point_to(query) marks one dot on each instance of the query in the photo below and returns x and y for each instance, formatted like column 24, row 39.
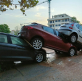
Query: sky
column 15, row 18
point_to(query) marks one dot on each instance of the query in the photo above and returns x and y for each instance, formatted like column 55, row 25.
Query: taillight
column 71, row 26
column 28, row 27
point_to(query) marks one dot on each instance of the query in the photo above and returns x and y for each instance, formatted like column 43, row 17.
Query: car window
column 67, row 24
column 80, row 28
column 3, row 39
column 55, row 32
column 60, row 35
column 50, row 30
column 18, row 41
column 77, row 26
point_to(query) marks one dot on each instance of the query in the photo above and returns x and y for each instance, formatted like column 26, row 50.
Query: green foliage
column 4, row 28
column 75, row 20
column 24, row 4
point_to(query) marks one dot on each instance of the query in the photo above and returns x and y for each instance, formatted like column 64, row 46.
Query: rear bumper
column 65, row 31
column 22, row 34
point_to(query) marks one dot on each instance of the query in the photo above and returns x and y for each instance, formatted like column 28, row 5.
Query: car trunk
column 23, row 32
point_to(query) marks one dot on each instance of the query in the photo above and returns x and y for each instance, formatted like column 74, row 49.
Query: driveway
column 56, row 68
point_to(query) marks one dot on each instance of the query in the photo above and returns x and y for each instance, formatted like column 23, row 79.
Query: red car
column 42, row 36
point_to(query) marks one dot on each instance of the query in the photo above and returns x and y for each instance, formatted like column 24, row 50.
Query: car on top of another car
column 42, row 36
column 73, row 31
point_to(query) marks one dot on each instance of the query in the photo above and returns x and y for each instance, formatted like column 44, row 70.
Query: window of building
column 50, row 21
column 58, row 20
column 50, row 25
column 62, row 15
column 68, row 19
column 3, row 39
column 56, row 25
column 59, row 25
column 55, row 20
column 65, row 20
column 53, row 25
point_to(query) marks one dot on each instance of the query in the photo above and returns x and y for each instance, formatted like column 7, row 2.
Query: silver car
column 73, row 31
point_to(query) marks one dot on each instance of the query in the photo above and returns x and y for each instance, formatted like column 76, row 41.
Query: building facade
column 57, row 20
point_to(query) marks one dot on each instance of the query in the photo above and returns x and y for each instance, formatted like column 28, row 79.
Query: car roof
column 8, row 34
column 38, row 24
column 34, row 23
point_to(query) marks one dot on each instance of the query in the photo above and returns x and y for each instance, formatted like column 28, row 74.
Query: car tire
column 72, row 52
column 73, row 38
column 40, row 56
column 37, row 43
column 57, row 52
column 78, row 49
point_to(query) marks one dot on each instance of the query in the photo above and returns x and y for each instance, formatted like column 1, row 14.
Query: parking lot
column 56, row 68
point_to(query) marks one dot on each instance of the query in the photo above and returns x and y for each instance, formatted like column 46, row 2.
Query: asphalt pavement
column 55, row 68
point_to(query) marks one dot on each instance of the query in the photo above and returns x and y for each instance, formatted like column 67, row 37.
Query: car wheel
column 57, row 52
column 72, row 52
column 37, row 43
column 73, row 38
column 39, row 57
column 78, row 49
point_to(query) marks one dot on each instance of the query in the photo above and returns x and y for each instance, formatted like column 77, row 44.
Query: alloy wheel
column 72, row 52
column 73, row 38
column 39, row 57
column 37, row 44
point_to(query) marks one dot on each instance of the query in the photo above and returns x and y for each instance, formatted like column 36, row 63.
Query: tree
column 4, row 28
column 73, row 19
column 24, row 4
column 16, row 30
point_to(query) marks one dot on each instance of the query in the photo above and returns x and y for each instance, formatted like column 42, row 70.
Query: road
column 56, row 68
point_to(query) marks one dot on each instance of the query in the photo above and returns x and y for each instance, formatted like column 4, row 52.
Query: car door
column 61, row 42
column 20, row 49
column 80, row 33
column 5, row 48
column 50, row 38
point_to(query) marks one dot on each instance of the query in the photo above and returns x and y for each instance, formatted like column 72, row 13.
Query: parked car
column 42, row 36
column 13, row 48
column 73, row 31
